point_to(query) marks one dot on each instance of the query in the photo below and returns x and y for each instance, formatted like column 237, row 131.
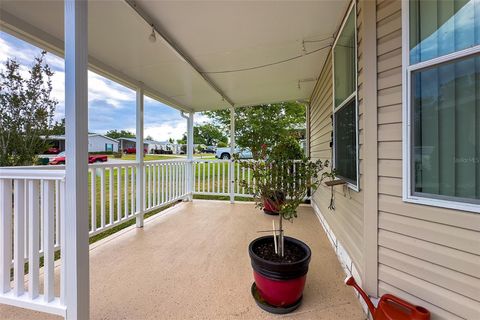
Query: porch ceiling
column 212, row 35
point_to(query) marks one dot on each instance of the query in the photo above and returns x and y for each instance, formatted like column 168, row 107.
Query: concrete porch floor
column 191, row 262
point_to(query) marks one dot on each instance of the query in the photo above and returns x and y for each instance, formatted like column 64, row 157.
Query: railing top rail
column 16, row 173
column 210, row 160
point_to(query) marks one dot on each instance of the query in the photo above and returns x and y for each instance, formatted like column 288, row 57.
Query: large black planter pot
column 279, row 285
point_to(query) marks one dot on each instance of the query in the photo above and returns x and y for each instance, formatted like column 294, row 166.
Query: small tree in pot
column 281, row 263
column 269, row 185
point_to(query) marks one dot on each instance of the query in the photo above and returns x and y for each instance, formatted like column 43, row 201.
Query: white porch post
column 75, row 224
column 190, row 168
column 232, row 152
column 140, row 187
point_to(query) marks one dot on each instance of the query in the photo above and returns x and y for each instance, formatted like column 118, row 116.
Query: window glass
column 439, row 27
column 344, row 61
column 446, row 130
column 346, row 142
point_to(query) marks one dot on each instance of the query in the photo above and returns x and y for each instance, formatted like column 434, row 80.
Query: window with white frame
column 443, row 103
column 345, row 115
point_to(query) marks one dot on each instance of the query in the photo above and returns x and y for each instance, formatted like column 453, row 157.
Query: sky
column 110, row 105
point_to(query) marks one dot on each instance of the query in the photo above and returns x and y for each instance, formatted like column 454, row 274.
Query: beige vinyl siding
column 427, row 255
column 346, row 221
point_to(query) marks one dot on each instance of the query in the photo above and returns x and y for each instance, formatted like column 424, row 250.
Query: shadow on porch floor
column 192, row 263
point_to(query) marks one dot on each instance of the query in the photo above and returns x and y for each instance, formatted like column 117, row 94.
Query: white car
column 224, row 153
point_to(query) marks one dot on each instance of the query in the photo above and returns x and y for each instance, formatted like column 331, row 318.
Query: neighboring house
column 151, row 146
column 96, row 143
column 405, row 135
column 126, row 143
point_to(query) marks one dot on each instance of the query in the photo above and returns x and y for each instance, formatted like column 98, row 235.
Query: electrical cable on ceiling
column 268, row 64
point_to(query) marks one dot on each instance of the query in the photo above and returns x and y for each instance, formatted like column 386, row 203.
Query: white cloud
column 114, row 94
column 164, row 131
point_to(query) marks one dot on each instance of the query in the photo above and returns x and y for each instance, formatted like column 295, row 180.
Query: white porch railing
column 31, row 215
column 32, row 207
column 32, row 203
column 112, row 191
column 214, row 177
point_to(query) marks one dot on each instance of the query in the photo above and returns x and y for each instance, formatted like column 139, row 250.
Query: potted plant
column 286, row 150
column 280, row 263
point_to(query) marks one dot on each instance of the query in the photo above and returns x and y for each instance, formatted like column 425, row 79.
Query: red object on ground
column 279, row 293
column 53, row 150
column 133, row 150
column 391, row 307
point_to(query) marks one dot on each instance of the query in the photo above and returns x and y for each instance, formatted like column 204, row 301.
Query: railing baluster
column 6, row 234
column 63, row 269
column 237, row 169
column 243, row 178
column 208, row 177
column 170, row 181
column 25, row 220
column 34, row 235
column 154, row 179
column 119, row 197
column 162, row 186
column 250, row 184
column 48, row 247
column 218, row 177
column 204, row 189
column 125, row 191
column 93, row 198
column 102, row 197
column 132, row 190
column 177, row 180
column 149, row 186
column 57, row 213
column 223, row 177
column 212, row 164
column 18, row 237
column 110, row 194
column 159, row 186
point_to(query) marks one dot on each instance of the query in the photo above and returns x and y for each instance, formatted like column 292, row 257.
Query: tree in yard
column 26, row 111
column 262, row 125
column 115, row 134
column 207, row 134
column 58, row 128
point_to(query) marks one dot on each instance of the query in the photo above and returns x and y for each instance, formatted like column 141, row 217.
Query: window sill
column 443, row 203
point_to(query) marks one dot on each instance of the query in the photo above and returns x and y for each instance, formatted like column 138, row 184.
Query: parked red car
column 92, row 158
column 133, row 150
column 52, row 150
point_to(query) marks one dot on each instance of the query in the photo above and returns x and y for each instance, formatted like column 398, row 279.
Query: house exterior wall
column 346, row 221
column 97, row 144
column 427, row 255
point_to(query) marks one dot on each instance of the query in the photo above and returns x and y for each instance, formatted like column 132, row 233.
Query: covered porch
column 191, row 262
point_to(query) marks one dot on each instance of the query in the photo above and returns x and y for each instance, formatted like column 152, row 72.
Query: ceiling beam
column 173, row 46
